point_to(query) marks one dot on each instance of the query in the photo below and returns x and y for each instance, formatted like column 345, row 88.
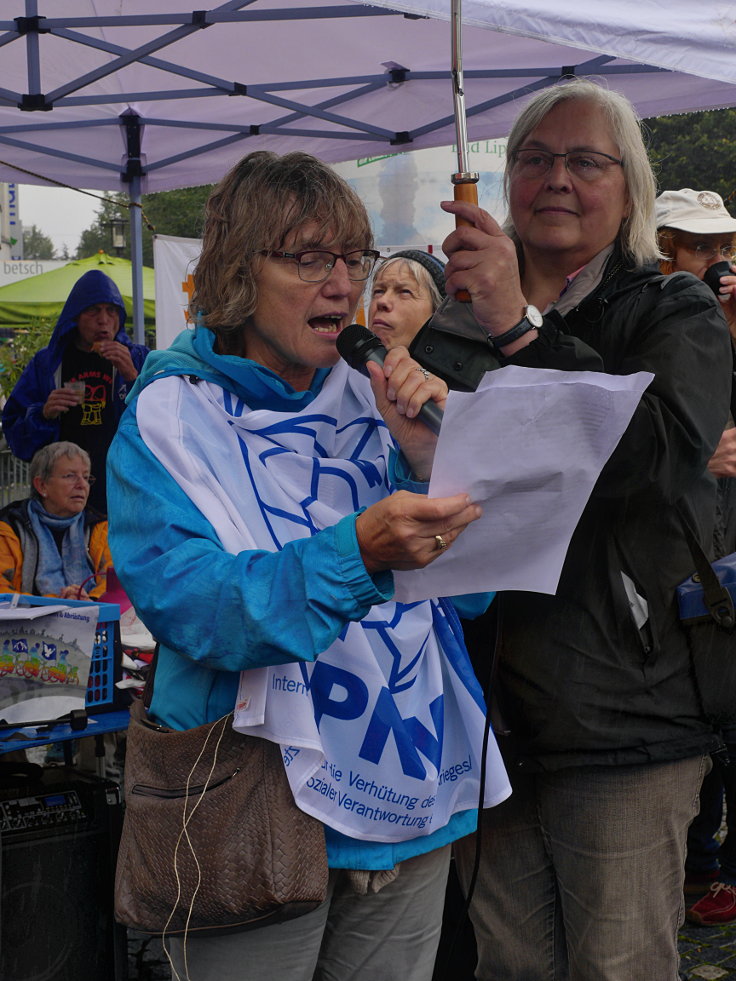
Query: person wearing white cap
column 696, row 231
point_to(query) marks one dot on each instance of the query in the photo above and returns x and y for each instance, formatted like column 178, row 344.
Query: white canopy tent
column 141, row 96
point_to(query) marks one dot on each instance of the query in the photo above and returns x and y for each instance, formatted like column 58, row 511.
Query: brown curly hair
column 670, row 241
column 255, row 207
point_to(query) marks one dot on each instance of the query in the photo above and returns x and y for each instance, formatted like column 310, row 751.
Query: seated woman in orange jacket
column 51, row 544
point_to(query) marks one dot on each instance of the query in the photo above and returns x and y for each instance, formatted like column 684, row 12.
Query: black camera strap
column 716, row 596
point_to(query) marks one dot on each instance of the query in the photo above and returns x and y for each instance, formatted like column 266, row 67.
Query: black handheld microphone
column 356, row 345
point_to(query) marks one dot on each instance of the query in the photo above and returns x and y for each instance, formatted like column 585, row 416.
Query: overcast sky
column 59, row 213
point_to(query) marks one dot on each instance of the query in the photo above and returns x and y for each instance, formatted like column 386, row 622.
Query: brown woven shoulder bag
column 212, row 840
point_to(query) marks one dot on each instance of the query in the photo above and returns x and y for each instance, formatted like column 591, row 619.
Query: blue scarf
column 57, row 569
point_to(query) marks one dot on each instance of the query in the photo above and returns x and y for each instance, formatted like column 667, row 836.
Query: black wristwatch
column 532, row 320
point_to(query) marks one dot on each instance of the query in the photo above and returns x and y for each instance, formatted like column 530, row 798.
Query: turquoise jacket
column 215, row 613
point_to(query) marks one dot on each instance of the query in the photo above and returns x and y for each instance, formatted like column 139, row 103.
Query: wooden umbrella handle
column 464, row 192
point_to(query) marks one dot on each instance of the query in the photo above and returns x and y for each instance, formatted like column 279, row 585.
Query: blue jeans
column 581, row 874
column 704, row 854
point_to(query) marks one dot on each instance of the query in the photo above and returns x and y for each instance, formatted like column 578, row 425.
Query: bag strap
column 147, row 696
column 716, row 597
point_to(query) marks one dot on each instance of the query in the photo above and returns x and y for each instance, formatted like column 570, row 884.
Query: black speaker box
column 59, row 834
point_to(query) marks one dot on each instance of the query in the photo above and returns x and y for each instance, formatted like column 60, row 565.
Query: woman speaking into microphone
column 280, row 488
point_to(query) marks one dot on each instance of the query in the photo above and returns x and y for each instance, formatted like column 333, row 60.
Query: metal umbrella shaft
column 464, row 180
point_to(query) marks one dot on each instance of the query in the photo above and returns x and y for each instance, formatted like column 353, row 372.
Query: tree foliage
column 166, row 212
column 696, row 149
column 98, row 237
column 16, row 353
column 37, row 245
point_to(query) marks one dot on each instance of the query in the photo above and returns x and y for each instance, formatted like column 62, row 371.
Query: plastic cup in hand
column 78, row 387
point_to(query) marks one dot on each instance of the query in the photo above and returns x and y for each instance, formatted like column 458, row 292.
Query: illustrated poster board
column 45, row 658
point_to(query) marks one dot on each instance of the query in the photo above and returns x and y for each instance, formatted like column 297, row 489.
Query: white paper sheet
column 528, row 446
column 9, row 612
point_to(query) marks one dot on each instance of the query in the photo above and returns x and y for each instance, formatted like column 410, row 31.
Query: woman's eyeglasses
column 588, row 165
column 315, row 265
column 707, row 252
column 73, row 478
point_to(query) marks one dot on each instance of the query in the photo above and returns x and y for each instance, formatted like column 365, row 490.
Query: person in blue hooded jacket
column 75, row 388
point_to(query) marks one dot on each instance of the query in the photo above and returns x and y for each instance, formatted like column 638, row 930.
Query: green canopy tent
column 28, row 302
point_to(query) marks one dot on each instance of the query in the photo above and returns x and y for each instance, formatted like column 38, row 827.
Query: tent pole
column 131, row 123
column 136, row 256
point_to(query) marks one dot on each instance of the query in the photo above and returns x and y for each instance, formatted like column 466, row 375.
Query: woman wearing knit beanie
column 407, row 289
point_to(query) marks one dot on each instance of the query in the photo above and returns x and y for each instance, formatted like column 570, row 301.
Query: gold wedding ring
column 426, row 378
column 441, row 543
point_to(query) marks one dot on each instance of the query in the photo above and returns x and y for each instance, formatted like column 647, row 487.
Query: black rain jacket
column 578, row 682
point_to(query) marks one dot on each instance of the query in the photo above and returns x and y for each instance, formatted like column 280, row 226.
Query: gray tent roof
column 106, row 92
column 145, row 95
